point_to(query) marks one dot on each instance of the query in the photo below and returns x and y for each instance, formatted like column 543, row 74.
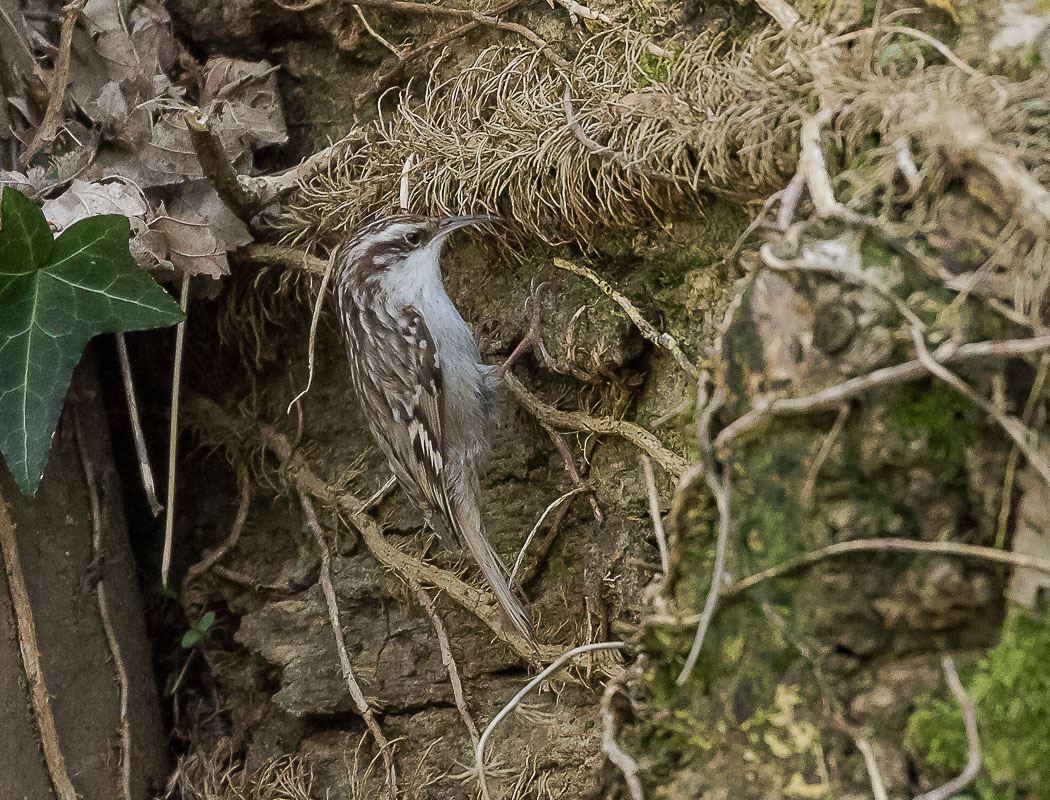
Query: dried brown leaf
column 83, row 199
column 169, row 154
column 200, row 230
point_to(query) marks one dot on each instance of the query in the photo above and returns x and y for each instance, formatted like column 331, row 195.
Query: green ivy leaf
column 190, row 638
column 55, row 294
column 206, row 622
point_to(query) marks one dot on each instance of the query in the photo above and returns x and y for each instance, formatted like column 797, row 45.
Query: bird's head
column 398, row 249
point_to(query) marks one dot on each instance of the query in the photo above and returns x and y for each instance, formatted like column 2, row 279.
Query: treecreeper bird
column 428, row 398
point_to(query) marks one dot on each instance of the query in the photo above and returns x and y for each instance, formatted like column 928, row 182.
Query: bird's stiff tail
column 471, row 532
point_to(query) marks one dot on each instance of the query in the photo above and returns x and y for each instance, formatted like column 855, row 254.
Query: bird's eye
column 414, row 238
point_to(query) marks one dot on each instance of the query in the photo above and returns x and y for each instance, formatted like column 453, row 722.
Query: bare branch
column 217, row 167
column 574, row 420
column 832, row 397
column 286, row 257
column 720, row 490
column 1011, row 462
column 882, row 545
column 207, row 416
column 243, row 505
column 449, row 662
column 858, row 278
column 270, row 187
column 878, row 788
column 782, row 13
column 51, row 123
column 374, row 34
column 806, row 495
column 664, row 340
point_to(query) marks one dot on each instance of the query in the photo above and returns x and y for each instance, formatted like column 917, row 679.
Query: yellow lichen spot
column 733, row 649
column 754, row 541
column 778, row 748
column 807, row 791
column 803, row 734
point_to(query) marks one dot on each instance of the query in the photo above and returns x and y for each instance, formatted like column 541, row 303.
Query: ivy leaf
column 206, row 622
column 190, row 638
column 55, row 294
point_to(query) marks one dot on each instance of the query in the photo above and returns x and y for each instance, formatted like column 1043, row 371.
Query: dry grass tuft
column 498, row 137
column 214, row 774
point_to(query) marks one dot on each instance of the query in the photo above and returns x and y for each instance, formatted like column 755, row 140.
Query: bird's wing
column 409, row 424
column 407, row 372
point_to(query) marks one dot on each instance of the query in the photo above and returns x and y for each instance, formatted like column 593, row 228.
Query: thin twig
column 1022, row 436
column 391, row 77
column 449, row 662
column 720, row 489
column 664, row 340
column 51, row 123
column 940, row 47
column 832, row 397
column 535, row 528
column 173, row 432
column 218, row 169
column 30, row 652
column 654, row 513
column 97, row 555
column 882, row 545
column 806, row 495
column 1015, row 452
column 285, row 257
column 858, row 278
column 476, row 16
column 270, row 187
column 969, row 715
column 721, row 494
column 616, row 754
column 148, row 484
column 375, row 35
column 312, row 344
column 243, row 505
column 575, row 420
column 378, row 495
column 574, row 473
column 479, row 751
column 878, row 788
column 340, row 643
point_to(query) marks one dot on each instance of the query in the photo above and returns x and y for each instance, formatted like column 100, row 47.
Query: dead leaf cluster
column 123, row 146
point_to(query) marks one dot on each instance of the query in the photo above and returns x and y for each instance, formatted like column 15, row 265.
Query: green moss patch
column 1011, row 688
column 944, row 418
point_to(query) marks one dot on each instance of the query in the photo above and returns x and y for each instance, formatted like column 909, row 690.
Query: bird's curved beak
column 449, row 224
